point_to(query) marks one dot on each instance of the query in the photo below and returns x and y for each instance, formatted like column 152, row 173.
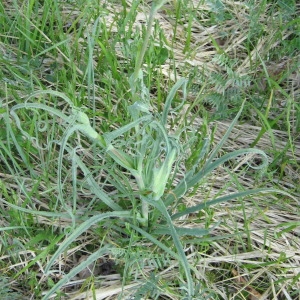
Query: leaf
column 81, row 229
column 226, row 198
column 183, row 260
column 67, row 277
column 161, row 55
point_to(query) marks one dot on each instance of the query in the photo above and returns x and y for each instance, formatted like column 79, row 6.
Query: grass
column 149, row 152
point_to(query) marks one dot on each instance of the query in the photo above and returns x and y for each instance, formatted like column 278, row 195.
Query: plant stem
column 155, row 7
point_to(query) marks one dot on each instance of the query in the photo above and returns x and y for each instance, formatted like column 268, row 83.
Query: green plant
column 5, row 290
column 152, row 162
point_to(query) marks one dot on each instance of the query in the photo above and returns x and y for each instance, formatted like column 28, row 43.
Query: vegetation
column 149, row 149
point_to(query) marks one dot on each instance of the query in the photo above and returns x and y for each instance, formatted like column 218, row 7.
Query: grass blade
column 81, row 229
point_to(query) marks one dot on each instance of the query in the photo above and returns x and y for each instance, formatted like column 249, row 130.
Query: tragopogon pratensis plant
column 151, row 158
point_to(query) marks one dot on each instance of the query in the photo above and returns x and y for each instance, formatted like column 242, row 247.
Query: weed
column 102, row 158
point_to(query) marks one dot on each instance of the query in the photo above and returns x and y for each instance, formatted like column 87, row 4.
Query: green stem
column 155, row 7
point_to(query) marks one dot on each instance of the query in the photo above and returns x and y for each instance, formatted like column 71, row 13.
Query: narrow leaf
column 226, row 198
column 81, row 229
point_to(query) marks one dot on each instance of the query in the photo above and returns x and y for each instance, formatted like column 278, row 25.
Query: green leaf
column 161, row 55
column 67, row 277
column 170, row 97
column 226, row 198
column 183, row 260
column 83, row 227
